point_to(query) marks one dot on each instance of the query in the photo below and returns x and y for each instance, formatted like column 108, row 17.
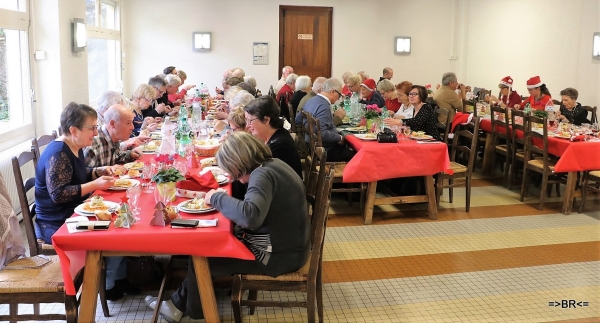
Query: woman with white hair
column 303, row 86
column 140, row 100
column 107, row 99
column 284, row 96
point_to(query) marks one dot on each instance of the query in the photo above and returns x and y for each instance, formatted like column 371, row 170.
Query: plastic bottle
column 184, row 138
column 550, row 110
column 204, row 89
column 347, row 103
column 384, row 113
column 183, row 113
column 527, row 109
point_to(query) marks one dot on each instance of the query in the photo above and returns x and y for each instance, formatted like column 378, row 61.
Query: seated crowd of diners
column 257, row 151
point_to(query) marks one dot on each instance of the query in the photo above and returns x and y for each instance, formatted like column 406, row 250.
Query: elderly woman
column 424, row 118
column 571, row 110
column 284, row 96
column 62, row 182
column 173, row 83
column 262, row 120
column 345, row 90
column 140, row 100
column 508, row 97
column 180, row 95
column 303, row 86
column 370, row 95
column 352, row 83
column 539, row 95
column 276, row 233
column 387, row 89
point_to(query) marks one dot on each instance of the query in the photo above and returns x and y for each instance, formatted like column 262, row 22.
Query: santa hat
column 369, row 84
column 506, row 82
column 534, row 82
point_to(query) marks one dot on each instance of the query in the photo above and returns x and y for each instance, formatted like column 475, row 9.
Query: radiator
column 7, row 172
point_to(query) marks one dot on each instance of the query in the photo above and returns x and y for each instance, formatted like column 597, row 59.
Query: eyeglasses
column 338, row 92
column 93, row 128
column 249, row 121
column 413, row 94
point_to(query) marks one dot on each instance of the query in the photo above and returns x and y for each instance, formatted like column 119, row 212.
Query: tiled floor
column 505, row 261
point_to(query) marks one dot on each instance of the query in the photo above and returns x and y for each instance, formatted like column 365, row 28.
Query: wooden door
column 305, row 40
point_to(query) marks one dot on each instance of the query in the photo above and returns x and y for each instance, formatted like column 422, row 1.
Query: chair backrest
column 444, row 128
column 556, row 102
column 319, row 224
column 316, row 173
column 292, row 119
column 468, row 103
column 518, row 128
column 23, row 186
column 589, row 109
column 464, row 144
column 314, row 131
column 523, row 98
column 41, row 141
column 500, row 125
column 272, row 92
column 531, row 135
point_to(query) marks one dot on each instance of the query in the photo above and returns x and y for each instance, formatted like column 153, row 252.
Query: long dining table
column 574, row 157
column 85, row 249
column 376, row 161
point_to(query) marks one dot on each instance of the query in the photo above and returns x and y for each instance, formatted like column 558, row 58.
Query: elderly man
column 159, row 107
column 105, row 149
column 388, row 73
column 108, row 99
column 284, row 96
column 320, row 107
column 285, row 72
column 446, row 97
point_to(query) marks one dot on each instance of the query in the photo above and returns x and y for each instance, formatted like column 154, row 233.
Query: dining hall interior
column 519, row 260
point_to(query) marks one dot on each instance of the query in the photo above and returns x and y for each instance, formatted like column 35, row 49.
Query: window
column 16, row 116
column 104, row 47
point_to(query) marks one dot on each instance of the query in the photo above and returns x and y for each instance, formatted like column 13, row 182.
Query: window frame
column 19, row 20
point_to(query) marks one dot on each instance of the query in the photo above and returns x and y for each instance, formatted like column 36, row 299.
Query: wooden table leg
column 91, row 278
column 569, row 193
column 369, row 204
column 431, row 203
column 207, row 292
column 487, row 155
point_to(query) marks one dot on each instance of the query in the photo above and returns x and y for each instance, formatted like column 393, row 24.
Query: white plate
column 134, row 182
column 356, row 129
column 181, row 207
column 425, row 137
column 365, row 136
column 140, row 165
column 79, row 209
column 222, row 179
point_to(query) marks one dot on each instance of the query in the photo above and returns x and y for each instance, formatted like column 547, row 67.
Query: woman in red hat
column 508, row 97
column 370, row 95
column 539, row 95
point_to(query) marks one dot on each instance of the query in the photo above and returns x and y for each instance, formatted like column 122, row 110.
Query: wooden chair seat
column 502, row 148
column 457, row 168
column 539, row 163
column 595, row 173
column 45, row 279
column 300, row 275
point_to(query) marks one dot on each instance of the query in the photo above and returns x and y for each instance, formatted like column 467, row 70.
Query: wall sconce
column 596, row 46
column 201, row 41
column 79, row 35
column 402, row 45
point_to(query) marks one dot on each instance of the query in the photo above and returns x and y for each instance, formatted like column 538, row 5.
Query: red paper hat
column 507, row 81
column 369, row 84
column 534, row 82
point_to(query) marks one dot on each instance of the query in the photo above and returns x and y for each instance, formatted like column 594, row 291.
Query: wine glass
column 133, row 194
column 180, row 166
column 406, row 131
column 147, row 173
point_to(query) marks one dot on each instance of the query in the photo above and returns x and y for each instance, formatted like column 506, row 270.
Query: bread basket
column 207, row 147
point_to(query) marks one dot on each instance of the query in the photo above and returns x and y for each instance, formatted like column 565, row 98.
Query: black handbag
column 387, row 136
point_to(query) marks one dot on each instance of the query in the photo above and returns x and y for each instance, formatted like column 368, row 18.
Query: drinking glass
column 594, row 127
column 133, row 194
column 585, row 128
column 180, row 166
column 406, row 131
column 147, row 173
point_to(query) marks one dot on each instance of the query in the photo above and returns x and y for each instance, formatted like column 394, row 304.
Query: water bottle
column 184, row 138
column 527, row 109
column 384, row 113
column 347, row 104
column 354, row 98
column 183, row 113
column 203, row 89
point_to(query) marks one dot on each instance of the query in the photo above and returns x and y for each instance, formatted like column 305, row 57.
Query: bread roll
column 103, row 215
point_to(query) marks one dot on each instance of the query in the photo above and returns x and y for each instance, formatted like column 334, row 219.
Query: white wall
column 549, row 38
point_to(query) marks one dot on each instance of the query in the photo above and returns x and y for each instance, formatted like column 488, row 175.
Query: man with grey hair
column 107, row 99
column 238, row 72
column 284, row 96
column 316, row 88
column 446, row 98
column 287, row 70
column 388, row 73
column 320, row 107
column 160, row 106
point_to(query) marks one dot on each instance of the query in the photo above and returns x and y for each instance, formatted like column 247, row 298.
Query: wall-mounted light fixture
column 79, row 35
column 596, row 46
column 402, row 45
column 201, row 41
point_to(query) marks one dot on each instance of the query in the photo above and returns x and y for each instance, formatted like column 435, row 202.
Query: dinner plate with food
column 564, row 135
column 96, row 206
column 134, row 165
column 220, row 175
column 132, row 173
column 356, row 129
column 366, row 136
column 196, row 205
column 151, row 146
column 420, row 135
column 122, row 184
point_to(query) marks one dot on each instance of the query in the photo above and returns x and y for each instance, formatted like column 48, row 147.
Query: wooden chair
column 315, row 175
column 292, row 118
column 518, row 144
column 272, row 93
column 501, row 139
column 556, row 102
column 308, row 279
column 314, row 131
column 38, row 246
column 544, row 164
column 464, row 146
column 444, row 128
column 590, row 182
column 42, row 141
column 591, row 110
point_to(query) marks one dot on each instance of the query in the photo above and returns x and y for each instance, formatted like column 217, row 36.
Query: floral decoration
column 372, row 111
column 164, row 159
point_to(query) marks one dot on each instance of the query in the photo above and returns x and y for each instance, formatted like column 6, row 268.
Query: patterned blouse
column 425, row 120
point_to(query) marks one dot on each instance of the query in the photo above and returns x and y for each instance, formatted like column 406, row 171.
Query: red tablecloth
column 142, row 237
column 378, row 161
column 574, row 156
